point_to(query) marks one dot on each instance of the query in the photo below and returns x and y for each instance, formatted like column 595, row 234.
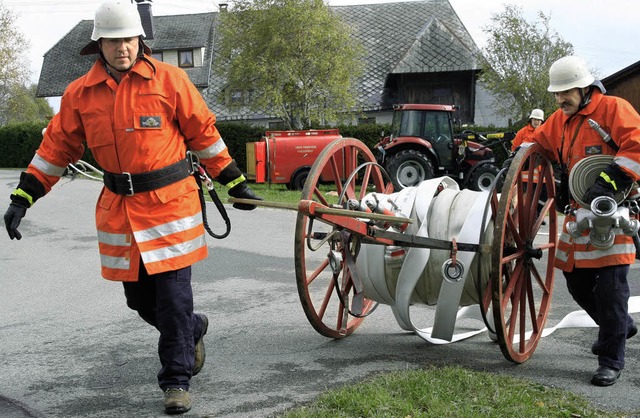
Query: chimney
column 223, row 7
column 146, row 16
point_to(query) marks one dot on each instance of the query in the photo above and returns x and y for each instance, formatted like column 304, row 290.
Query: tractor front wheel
column 482, row 178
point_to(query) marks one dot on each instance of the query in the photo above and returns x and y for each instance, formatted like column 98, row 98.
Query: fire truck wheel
column 408, row 168
column 298, row 180
column 482, row 178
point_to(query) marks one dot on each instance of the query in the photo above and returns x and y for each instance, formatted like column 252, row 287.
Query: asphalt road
column 69, row 346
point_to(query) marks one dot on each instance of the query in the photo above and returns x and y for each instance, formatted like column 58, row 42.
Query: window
column 185, row 58
column 366, row 121
column 277, row 126
column 237, row 97
column 157, row 55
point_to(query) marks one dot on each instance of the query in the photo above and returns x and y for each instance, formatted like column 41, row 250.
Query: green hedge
column 236, row 135
column 19, row 142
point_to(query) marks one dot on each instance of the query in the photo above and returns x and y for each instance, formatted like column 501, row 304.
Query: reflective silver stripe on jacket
column 616, row 249
column 628, row 163
column 562, row 255
column 46, row 167
column 211, row 151
column 172, row 251
column 168, row 228
column 117, row 240
column 120, row 263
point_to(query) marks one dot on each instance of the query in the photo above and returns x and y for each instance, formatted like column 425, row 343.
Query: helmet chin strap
column 108, row 67
column 585, row 99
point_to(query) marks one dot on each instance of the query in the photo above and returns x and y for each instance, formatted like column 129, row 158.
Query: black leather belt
column 129, row 184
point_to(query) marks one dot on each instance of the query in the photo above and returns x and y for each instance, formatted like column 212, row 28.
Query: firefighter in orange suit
column 596, row 279
column 523, row 135
column 139, row 117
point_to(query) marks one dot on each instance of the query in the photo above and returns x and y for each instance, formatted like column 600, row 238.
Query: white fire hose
column 401, row 277
column 423, row 275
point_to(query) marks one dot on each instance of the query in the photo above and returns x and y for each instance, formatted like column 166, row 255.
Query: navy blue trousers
column 604, row 294
column 165, row 301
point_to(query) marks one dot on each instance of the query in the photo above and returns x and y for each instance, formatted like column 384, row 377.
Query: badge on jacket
column 150, row 121
column 593, row 150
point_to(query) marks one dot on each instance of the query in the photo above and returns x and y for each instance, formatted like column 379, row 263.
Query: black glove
column 599, row 188
column 611, row 180
column 12, row 218
column 242, row 191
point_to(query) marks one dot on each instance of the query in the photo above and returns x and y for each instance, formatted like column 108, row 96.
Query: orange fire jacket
column 568, row 140
column 146, row 122
column 523, row 135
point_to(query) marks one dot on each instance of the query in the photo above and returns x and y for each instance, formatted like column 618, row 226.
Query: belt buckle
column 130, row 192
column 193, row 161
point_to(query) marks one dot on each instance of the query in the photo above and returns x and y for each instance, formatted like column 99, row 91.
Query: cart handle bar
column 323, row 210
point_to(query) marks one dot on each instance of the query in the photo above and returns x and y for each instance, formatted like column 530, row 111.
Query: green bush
column 236, row 135
column 19, row 143
column 369, row 134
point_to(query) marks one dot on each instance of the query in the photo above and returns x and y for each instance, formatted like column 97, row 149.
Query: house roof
column 621, row 75
column 423, row 36
column 62, row 63
column 406, row 37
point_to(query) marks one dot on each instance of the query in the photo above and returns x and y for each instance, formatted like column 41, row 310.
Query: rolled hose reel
column 585, row 173
column 603, row 213
column 447, row 213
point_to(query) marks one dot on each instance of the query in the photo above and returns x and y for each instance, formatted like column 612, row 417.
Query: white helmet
column 537, row 114
column 117, row 19
column 568, row 73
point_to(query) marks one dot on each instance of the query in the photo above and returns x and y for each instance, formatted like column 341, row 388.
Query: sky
column 604, row 33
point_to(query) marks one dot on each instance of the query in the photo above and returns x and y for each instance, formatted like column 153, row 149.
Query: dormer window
column 185, row 58
column 237, row 97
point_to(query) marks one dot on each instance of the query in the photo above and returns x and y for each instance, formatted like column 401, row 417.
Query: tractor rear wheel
column 408, row 168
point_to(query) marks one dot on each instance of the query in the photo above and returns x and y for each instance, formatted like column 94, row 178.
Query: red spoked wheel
column 324, row 253
column 522, row 272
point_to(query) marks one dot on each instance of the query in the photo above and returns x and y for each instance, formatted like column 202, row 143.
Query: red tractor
column 422, row 145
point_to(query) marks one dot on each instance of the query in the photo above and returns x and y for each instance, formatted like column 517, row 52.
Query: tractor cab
column 422, row 145
column 431, row 123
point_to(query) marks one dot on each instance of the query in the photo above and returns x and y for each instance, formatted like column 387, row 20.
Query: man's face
column 536, row 122
column 568, row 101
column 120, row 53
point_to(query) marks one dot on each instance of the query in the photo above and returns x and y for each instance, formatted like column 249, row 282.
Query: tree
column 14, row 67
column 295, row 59
column 18, row 102
column 22, row 105
column 516, row 62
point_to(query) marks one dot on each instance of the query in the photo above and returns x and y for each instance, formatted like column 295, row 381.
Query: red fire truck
column 285, row 157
